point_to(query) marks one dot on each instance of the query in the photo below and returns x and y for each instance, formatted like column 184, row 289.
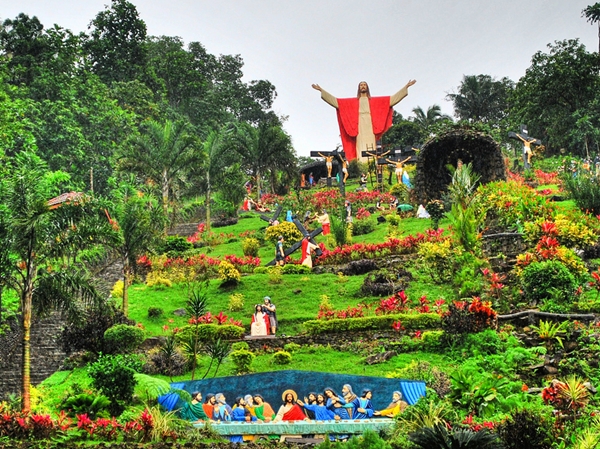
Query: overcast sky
column 337, row 43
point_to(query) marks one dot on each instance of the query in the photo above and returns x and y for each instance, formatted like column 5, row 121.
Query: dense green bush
column 242, row 360
column 211, row 332
column 114, row 376
column 238, row 345
column 282, row 358
column 175, row 245
column 526, row 428
column 292, row 268
column 548, row 279
column 123, row 338
column 412, row 321
column 364, row 226
column 155, row 312
column 250, row 247
column 88, row 334
column 584, row 189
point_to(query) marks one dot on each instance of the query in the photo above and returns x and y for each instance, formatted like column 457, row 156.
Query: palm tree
column 439, row 437
column 481, row 98
column 427, row 119
column 137, row 223
column 592, row 14
column 43, row 277
column 213, row 166
column 264, row 149
column 163, row 154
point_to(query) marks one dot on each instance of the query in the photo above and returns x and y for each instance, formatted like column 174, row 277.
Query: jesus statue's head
column 363, row 89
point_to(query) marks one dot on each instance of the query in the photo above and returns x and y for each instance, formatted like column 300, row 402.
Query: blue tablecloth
column 300, row 427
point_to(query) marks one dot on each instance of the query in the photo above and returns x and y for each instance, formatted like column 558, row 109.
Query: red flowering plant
column 243, row 264
column 465, row 317
column 595, row 282
column 493, row 283
column 270, row 199
column 544, row 178
column 397, row 303
column 476, row 426
column 362, row 213
column 397, row 326
column 393, row 246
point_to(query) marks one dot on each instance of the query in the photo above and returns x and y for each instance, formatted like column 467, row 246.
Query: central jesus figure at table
column 364, row 119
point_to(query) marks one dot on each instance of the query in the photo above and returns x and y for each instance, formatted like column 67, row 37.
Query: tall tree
column 427, row 119
column 481, row 98
column 163, row 153
column 23, row 41
column 117, row 43
column 264, row 149
column 592, row 14
column 137, row 225
column 403, row 133
column 557, row 85
column 43, row 278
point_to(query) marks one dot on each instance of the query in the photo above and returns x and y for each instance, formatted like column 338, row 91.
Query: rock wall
column 46, row 354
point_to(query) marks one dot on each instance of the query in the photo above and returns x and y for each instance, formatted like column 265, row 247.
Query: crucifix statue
column 340, row 157
column 523, row 136
column 401, row 175
column 379, row 160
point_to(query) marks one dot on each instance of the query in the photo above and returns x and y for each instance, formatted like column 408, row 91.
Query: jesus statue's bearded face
column 363, row 89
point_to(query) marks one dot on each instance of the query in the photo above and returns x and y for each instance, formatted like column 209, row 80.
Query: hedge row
column 419, row 321
column 211, row 332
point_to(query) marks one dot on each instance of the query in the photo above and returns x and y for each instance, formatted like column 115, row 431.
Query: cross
column 297, row 245
column 523, row 136
column 338, row 156
column 379, row 161
column 275, row 215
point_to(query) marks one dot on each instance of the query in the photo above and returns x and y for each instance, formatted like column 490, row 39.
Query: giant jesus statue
column 364, row 119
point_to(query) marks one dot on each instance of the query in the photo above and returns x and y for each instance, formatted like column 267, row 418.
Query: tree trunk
column 258, row 187
column 165, row 196
column 125, row 284
column 207, row 202
column 26, row 362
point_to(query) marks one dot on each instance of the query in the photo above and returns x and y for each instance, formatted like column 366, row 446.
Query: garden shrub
column 432, row 340
column 157, row 280
column 228, row 273
column 239, row 345
column 436, row 211
column 465, row 317
column 242, row 360
column 574, row 231
column 384, row 282
column 547, row 279
column 438, row 259
column 411, row 321
column 123, row 338
column 393, row 219
column 261, row 270
column 584, row 189
column 508, row 204
column 117, row 290
column 292, row 268
column 155, row 313
column 292, row 347
column 364, row 226
column 169, row 362
column 114, row 376
column 526, row 428
column 211, row 332
column 282, row 358
column 88, row 334
column 94, row 405
column 175, row 245
column 250, row 247
column 288, row 230
column 236, row 302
